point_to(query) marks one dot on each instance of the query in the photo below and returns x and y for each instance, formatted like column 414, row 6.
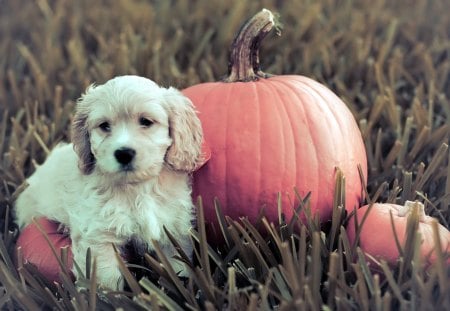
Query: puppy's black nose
column 124, row 155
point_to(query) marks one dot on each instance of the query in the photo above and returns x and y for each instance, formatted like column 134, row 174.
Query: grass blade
column 160, row 295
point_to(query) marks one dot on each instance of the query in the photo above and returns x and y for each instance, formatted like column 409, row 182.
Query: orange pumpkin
column 36, row 250
column 269, row 134
column 377, row 236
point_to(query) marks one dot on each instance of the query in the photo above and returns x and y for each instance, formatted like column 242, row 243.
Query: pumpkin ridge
column 324, row 106
column 336, row 113
column 273, row 111
column 320, row 180
column 344, row 129
column 305, row 112
column 258, row 117
column 212, row 90
column 227, row 130
column 283, row 110
column 292, row 135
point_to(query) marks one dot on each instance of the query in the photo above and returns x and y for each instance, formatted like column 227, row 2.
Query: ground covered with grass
column 388, row 60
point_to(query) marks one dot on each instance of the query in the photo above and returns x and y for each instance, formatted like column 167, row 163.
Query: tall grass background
column 388, row 60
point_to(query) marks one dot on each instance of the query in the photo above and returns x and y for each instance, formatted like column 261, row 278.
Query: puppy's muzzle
column 124, row 157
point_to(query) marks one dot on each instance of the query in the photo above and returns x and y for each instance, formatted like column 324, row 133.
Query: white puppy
column 126, row 175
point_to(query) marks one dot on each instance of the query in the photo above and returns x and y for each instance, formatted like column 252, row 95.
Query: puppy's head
column 129, row 128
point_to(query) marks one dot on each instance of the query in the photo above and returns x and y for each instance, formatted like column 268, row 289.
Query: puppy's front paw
column 110, row 278
column 103, row 256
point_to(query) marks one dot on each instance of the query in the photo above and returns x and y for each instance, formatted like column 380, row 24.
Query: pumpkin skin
column 36, row 250
column 269, row 136
column 377, row 235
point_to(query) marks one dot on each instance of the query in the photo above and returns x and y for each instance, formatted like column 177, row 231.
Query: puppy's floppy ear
column 80, row 137
column 185, row 153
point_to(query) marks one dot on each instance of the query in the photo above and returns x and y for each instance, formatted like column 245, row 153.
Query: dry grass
column 389, row 61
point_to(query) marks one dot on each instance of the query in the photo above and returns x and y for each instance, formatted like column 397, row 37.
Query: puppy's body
column 125, row 180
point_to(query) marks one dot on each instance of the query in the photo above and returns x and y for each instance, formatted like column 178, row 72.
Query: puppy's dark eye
column 144, row 122
column 105, row 127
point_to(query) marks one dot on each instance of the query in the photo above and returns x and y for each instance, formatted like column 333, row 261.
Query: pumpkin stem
column 243, row 63
column 409, row 207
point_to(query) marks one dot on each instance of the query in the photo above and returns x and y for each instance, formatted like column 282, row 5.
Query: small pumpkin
column 377, row 236
column 269, row 134
column 36, row 250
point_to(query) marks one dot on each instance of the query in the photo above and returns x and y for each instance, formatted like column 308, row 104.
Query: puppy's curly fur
column 125, row 175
